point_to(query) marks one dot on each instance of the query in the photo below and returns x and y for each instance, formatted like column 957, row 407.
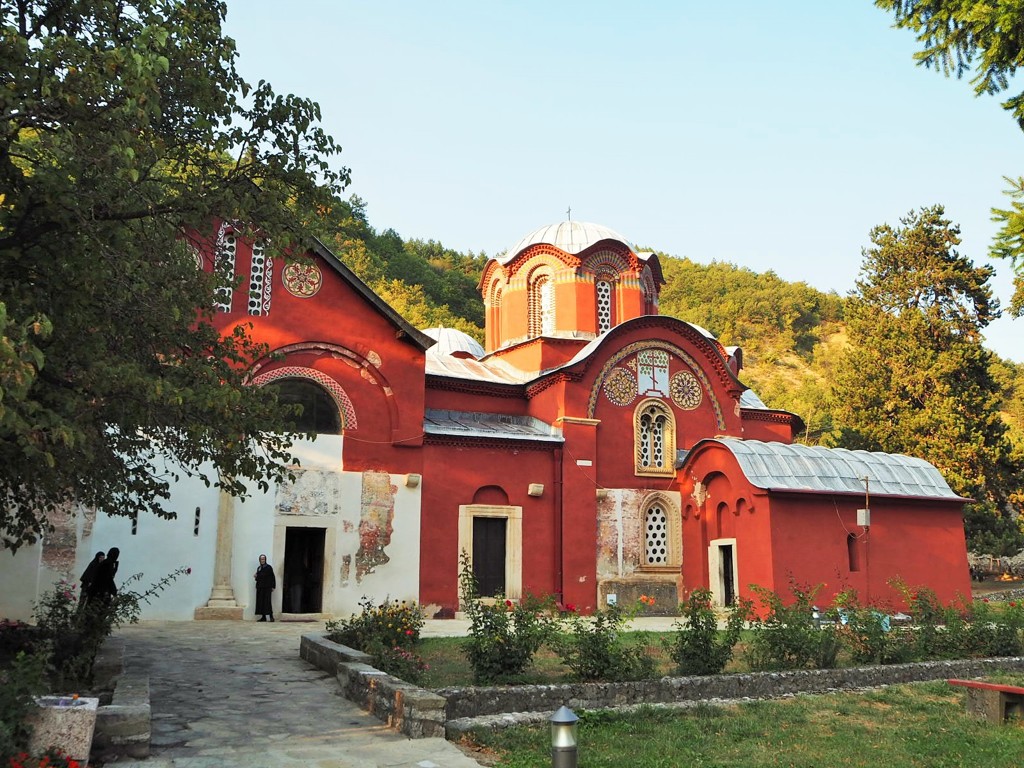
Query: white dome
column 450, row 341
column 570, row 236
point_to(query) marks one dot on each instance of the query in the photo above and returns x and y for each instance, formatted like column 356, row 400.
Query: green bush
column 699, row 648
column 793, row 635
column 995, row 633
column 868, row 634
column 503, row 635
column 594, row 648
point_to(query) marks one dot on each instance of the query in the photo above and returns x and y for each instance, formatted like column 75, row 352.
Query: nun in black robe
column 266, row 583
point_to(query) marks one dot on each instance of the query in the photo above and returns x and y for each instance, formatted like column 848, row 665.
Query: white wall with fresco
column 370, row 523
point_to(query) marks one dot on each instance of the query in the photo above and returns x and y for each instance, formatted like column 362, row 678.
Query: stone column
column 222, row 604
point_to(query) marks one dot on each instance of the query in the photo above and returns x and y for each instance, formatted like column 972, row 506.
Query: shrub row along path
column 234, row 693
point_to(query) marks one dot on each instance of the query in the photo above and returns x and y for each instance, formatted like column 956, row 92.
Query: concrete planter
column 64, row 722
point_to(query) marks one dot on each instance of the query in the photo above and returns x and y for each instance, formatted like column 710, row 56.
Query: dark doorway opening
column 489, row 555
column 303, row 570
column 728, row 584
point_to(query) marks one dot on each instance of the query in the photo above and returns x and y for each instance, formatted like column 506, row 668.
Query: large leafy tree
column 916, row 379
column 986, row 38
column 125, row 131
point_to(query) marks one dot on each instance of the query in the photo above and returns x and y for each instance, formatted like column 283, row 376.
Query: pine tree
column 916, row 378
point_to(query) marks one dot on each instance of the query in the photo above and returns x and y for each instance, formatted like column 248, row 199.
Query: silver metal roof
column 570, row 236
column 778, row 466
column 501, row 425
column 451, row 340
column 748, row 399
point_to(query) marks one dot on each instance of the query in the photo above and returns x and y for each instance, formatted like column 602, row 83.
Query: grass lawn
column 923, row 724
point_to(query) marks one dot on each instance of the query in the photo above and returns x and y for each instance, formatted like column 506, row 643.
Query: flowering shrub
column 594, row 647
column 392, row 624
column 52, row 758
column 387, row 632
column 503, row 635
column 698, row 647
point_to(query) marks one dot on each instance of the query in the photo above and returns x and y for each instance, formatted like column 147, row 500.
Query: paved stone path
column 232, row 693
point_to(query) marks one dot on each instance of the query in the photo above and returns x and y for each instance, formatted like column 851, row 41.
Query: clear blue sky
column 769, row 135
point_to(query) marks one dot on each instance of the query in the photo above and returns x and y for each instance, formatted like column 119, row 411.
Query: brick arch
column 345, row 407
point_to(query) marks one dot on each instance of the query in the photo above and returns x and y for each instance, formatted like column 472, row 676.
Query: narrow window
column 852, row 552
column 542, row 307
column 656, row 536
column 195, row 524
column 604, row 306
column 135, row 524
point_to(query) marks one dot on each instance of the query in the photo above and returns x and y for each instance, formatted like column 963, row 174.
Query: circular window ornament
column 302, row 280
column 686, row 390
column 620, row 387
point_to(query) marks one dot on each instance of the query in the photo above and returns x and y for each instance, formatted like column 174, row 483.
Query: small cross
column 568, row 213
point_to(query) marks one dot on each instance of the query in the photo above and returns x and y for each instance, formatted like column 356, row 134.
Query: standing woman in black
column 102, row 586
column 266, row 583
column 88, row 576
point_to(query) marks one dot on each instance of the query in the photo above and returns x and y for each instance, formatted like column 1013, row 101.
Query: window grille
column 656, row 536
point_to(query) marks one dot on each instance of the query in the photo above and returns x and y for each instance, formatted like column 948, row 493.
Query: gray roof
column 500, row 425
column 782, row 467
column 451, row 341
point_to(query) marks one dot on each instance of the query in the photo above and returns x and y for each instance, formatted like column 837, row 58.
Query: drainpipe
column 559, row 586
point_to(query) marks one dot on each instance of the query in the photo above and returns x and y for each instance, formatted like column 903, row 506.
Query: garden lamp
column 563, row 738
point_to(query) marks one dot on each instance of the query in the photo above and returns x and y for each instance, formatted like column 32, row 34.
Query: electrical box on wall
column 864, row 517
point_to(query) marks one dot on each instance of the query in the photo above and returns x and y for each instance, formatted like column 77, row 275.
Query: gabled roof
column 402, row 326
column 781, row 467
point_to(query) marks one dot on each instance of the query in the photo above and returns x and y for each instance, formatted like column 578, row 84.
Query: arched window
column 662, row 534
column 319, row 411
column 656, row 535
column 654, row 436
column 541, row 305
column 605, row 291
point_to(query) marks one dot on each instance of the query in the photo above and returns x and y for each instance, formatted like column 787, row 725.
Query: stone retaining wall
column 124, row 720
column 411, row 710
column 417, row 712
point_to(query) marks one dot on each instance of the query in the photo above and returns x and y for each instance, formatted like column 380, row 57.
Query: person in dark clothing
column 266, row 583
column 102, row 586
column 88, row 575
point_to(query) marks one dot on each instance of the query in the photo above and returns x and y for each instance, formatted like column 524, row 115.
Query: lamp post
column 563, row 738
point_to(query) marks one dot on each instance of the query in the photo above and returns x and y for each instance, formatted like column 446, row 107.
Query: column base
column 218, row 613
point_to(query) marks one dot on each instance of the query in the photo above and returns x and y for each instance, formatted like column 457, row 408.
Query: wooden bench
column 992, row 701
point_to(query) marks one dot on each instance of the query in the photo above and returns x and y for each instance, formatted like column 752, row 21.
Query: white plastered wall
column 340, row 502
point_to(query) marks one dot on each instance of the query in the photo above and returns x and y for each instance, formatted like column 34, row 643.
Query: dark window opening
column 852, row 552
column 319, row 411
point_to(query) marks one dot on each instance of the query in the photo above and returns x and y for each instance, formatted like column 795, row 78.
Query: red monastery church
column 592, row 449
